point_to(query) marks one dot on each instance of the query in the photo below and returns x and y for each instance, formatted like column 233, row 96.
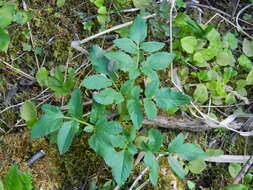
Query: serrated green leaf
column 98, row 112
column 135, row 92
column 108, row 96
column 96, row 82
column 247, row 47
column 234, row 169
column 51, row 121
column 152, row 46
column 6, row 14
column 200, row 93
column 151, row 89
column 155, row 140
column 160, row 60
column 123, row 60
column 127, row 87
column 176, row 142
column 99, row 61
column 135, row 112
column 197, row 166
column 42, row 76
column 249, row 79
column 245, row 62
column 150, row 109
column 22, row 17
column 190, row 152
column 75, row 104
column 231, row 40
column 17, row 180
column 122, row 166
column 60, row 3
column 4, row 40
column 138, row 30
column 176, row 167
column 189, row 43
column 134, row 73
column 151, row 162
column 167, row 98
column 127, row 45
column 28, row 113
column 149, row 72
column 66, row 135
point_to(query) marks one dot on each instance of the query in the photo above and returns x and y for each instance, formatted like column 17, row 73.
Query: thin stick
column 17, row 70
column 237, row 18
column 143, row 173
column 247, row 166
column 76, row 44
column 31, row 36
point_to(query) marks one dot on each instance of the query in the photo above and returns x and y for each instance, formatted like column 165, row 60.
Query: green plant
column 59, row 81
column 139, row 95
column 9, row 14
column 16, row 180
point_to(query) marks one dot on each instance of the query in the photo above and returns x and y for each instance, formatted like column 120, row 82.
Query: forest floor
column 53, row 29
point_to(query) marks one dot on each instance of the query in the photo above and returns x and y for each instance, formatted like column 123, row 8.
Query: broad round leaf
column 234, row 169
column 245, row 62
column 197, row 166
column 6, row 14
column 224, row 59
column 189, row 43
column 96, row 82
column 200, row 94
column 4, row 40
column 247, row 47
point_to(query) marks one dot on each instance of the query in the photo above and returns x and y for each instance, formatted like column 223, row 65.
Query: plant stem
column 78, row 120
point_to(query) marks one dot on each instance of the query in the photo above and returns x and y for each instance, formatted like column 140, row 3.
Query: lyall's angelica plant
column 139, row 96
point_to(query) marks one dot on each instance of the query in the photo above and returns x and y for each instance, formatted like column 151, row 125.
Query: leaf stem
column 79, row 121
